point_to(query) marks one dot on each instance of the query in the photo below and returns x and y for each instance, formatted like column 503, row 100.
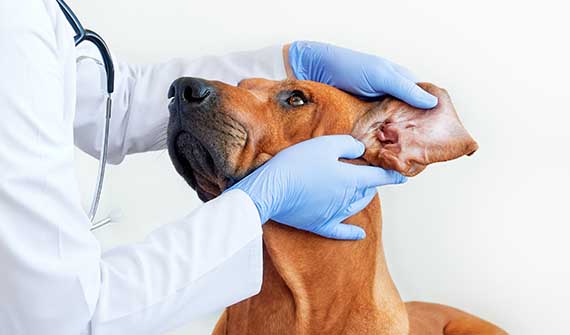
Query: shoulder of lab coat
column 139, row 112
column 55, row 279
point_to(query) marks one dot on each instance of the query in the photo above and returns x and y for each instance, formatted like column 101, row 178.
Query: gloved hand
column 355, row 72
column 305, row 186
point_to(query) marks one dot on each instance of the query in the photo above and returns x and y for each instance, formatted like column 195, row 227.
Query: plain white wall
column 488, row 233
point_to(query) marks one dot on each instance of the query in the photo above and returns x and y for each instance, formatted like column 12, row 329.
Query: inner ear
column 400, row 137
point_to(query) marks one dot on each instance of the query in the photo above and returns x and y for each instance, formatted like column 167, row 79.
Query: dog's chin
column 201, row 170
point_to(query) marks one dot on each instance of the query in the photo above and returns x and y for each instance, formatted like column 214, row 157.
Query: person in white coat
column 55, row 279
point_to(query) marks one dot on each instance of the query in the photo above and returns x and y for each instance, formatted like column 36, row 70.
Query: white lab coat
column 54, row 278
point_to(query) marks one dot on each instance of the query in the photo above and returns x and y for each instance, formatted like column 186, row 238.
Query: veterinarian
column 55, row 280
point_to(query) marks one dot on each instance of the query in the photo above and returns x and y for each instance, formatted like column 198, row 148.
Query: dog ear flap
column 400, row 137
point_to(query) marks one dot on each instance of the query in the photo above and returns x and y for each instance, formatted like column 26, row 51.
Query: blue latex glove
column 355, row 72
column 305, row 186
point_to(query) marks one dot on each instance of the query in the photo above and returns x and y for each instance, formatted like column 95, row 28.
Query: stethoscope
column 82, row 34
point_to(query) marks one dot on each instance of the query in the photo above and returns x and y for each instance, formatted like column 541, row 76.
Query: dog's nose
column 189, row 90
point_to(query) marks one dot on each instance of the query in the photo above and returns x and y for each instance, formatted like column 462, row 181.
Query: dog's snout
column 190, row 90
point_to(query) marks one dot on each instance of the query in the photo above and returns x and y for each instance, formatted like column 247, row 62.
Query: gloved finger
column 407, row 90
column 344, row 146
column 404, row 71
column 360, row 203
column 372, row 176
column 342, row 231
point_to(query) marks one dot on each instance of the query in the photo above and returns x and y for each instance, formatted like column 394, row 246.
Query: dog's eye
column 297, row 99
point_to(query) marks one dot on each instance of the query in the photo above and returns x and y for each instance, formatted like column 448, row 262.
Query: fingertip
column 424, row 99
column 354, row 233
column 401, row 178
column 395, row 178
column 360, row 235
column 343, row 231
column 431, row 102
column 398, row 178
column 356, row 142
column 353, row 148
column 360, row 146
column 408, row 91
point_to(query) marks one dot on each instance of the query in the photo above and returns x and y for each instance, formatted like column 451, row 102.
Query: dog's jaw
column 204, row 154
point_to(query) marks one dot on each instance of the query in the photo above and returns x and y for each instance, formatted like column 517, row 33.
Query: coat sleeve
column 55, row 280
column 140, row 112
column 206, row 261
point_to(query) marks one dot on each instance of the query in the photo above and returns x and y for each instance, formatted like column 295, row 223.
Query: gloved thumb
column 346, row 146
column 342, row 231
column 409, row 92
column 372, row 176
column 404, row 72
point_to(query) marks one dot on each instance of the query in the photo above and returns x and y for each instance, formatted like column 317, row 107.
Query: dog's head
column 218, row 133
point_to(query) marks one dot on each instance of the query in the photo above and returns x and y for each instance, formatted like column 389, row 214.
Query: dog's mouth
column 201, row 155
column 195, row 164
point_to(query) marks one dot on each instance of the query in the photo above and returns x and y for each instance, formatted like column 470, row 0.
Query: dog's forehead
column 264, row 89
column 257, row 84
column 259, row 87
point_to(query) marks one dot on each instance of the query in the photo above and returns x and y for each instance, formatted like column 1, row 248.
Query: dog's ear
column 406, row 139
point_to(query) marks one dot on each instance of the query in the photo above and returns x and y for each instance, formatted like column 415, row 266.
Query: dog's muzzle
column 201, row 137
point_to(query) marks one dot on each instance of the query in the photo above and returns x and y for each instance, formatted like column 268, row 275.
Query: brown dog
column 312, row 285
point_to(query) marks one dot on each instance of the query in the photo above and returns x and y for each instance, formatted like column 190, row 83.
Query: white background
column 490, row 233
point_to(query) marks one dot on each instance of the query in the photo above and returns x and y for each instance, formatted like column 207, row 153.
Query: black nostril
column 187, row 90
column 195, row 92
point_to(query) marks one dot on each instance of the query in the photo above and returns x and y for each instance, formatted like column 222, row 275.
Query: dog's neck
column 313, row 285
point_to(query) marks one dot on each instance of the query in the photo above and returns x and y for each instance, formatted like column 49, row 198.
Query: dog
column 219, row 133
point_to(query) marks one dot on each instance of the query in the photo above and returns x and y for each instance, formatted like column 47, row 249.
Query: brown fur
column 313, row 285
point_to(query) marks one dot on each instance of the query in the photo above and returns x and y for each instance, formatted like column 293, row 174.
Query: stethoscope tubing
column 82, row 34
